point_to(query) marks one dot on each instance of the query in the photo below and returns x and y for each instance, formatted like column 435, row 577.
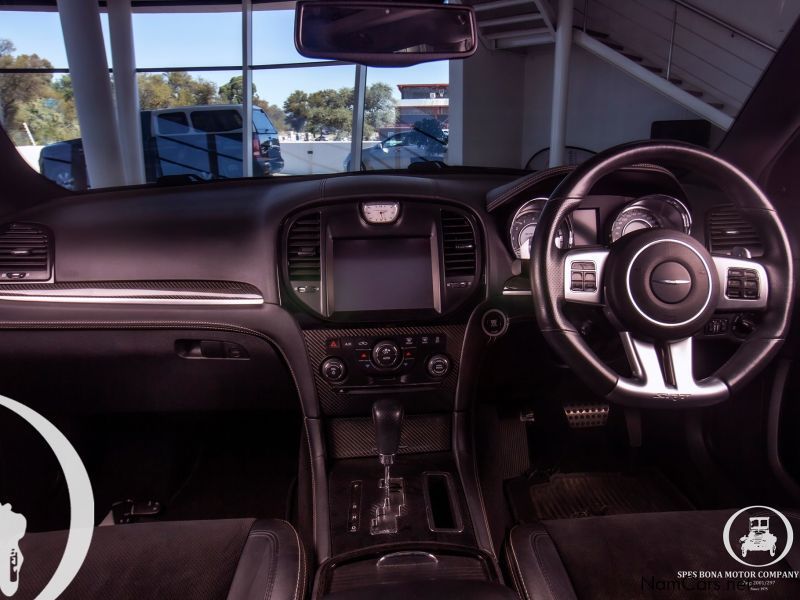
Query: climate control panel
column 385, row 360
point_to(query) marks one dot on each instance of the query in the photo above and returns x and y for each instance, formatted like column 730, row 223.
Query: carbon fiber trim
column 355, row 437
column 333, row 403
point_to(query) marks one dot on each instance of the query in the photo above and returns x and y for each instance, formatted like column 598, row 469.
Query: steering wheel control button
column 583, row 276
column 742, row 284
column 494, row 322
column 438, row 365
column 671, row 282
column 386, row 354
column 333, row 369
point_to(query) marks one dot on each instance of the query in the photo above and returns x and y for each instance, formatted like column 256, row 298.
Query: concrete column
column 558, row 123
column 359, row 98
column 247, row 88
column 88, row 67
column 126, row 90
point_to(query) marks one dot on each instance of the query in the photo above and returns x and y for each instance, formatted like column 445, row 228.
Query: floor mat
column 198, row 467
column 572, row 495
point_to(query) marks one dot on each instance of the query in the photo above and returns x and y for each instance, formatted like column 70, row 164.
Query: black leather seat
column 634, row 556
column 238, row 559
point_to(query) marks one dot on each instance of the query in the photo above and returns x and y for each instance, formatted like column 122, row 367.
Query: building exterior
column 420, row 101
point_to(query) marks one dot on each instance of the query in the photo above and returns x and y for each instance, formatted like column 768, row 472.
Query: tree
column 154, row 93
column 48, row 121
column 380, row 108
column 18, row 88
column 330, row 112
column 297, row 109
column 428, row 134
column 231, row 92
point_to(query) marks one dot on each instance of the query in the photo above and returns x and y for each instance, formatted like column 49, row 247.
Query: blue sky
column 213, row 39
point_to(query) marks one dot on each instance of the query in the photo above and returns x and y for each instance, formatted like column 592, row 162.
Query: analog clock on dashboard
column 380, row 212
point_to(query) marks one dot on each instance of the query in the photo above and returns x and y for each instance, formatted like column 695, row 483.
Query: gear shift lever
column 387, row 417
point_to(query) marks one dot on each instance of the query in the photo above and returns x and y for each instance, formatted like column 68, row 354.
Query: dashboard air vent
column 458, row 243
column 24, row 253
column 302, row 248
column 728, row 229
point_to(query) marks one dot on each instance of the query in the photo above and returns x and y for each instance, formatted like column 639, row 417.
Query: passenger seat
column 237, row 559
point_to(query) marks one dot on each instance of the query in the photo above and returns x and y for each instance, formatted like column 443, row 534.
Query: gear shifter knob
column 387, row 417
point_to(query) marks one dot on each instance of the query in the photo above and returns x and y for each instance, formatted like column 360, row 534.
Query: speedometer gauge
column 633, row 219
column 523, row 226
column 651, row 212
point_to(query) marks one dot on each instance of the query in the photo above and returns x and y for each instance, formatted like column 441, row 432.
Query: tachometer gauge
column 523, row 226
column 650, row 212
column 380, row 212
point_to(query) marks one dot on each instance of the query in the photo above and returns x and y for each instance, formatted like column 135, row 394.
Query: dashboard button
column 362, row 343
column 333, row 369
column 494, row 322
column 408, row 341
column 438, row 365
column 386, row 354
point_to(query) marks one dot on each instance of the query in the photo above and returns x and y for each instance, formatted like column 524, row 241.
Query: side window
column 173, row 123
column 394, row 141
column 261, row 122
column 216, row 121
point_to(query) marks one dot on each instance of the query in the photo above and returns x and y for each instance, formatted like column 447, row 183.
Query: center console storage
column 411, row 571
column 385, row 289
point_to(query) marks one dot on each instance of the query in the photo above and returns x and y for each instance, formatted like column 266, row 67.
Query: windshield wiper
column 426, row 134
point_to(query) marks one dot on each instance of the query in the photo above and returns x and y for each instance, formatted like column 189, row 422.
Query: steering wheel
column 660, row 287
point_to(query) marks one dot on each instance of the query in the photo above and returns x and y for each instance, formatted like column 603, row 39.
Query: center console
column 384, row 290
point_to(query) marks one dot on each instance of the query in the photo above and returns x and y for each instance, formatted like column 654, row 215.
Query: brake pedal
column 582, row 416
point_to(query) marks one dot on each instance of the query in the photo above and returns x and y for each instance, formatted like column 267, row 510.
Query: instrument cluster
column 582, row 227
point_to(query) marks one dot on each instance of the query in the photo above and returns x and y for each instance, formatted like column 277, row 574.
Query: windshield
column 636, row 69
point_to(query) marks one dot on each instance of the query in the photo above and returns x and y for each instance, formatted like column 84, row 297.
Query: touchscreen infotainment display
column 382, row 274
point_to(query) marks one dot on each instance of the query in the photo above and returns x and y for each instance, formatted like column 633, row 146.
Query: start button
column 494, row 322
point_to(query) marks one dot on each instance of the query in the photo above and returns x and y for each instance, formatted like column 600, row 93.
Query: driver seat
column 634, row 556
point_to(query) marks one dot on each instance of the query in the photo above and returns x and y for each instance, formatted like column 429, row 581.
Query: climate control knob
column 386, row 354
column 439, row 365
column 333, row 369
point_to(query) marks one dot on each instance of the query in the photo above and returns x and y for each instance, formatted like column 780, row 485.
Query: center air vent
column 24, row 253
column 458, row 244
column 728, row 229
column 302, row 249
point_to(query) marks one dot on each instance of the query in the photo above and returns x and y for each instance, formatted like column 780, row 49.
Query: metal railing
column 667, row 61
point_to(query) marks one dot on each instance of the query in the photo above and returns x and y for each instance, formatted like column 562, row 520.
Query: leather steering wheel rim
column 550, row 269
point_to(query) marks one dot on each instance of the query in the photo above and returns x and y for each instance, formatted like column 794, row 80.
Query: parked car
column 398, row 151
column 205, row 141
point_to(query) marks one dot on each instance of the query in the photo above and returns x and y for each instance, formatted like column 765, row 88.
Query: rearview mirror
column 384, row 34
